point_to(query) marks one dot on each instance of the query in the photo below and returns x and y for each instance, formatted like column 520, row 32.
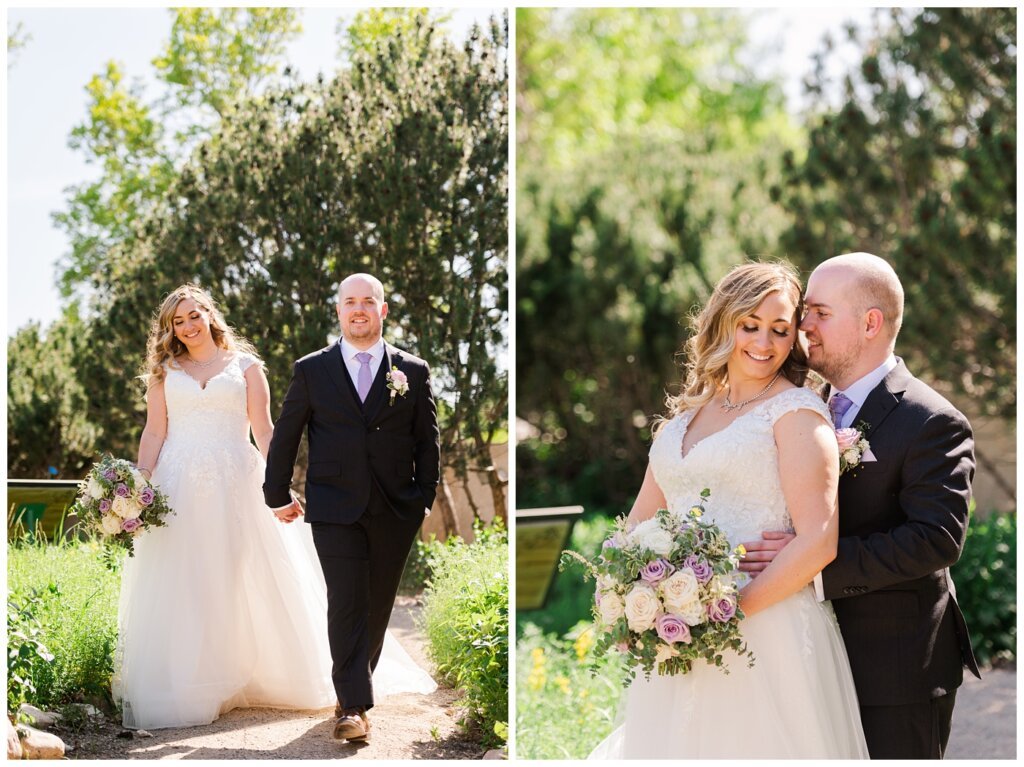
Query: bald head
column 869, row 283
column 375, row 285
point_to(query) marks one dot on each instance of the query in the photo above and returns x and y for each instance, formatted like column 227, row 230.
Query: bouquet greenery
column 666, row 594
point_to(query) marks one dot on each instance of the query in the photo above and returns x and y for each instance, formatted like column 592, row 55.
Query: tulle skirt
column 226, row 606
column 797, row 702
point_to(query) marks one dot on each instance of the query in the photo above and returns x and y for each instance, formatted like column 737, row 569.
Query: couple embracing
column 226, row 607
column 849, row 607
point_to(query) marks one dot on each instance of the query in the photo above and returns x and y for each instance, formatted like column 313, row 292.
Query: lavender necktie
column 838, row 406
column 363, row 379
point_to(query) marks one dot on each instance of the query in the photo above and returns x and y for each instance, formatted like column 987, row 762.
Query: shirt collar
column 349, row 352
column 859, row 390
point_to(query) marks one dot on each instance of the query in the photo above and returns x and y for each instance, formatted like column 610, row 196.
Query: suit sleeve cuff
column 819, row 588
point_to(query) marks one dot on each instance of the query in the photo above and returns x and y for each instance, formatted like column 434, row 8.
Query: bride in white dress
column 746, row 428
column 224, row 607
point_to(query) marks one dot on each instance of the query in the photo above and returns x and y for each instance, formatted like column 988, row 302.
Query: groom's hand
column 761, row 553
column 289, row 513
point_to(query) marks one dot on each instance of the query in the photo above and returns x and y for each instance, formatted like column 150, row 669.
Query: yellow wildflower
column 563, row 684
column 583, row 644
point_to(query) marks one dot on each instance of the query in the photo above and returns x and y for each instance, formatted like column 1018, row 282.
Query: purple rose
column 130, row 525
column 609, row 544
column 110, row 475
column 104, row 505
column 146, row 496
column 722, row 610
column 671, row 629
column 122, row 491
column 655, row 571
column 701, row 569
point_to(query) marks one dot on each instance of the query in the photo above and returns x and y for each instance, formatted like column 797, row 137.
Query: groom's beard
column 835, row 366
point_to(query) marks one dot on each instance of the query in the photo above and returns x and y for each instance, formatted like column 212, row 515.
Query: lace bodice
column 207, row 427
column 739, row 464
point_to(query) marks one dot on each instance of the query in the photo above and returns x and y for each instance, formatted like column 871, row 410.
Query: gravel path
column 404, row 726
column 985, row 717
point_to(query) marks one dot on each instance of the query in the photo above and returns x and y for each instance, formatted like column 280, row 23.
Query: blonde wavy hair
column 163, row 347
column 713, row 340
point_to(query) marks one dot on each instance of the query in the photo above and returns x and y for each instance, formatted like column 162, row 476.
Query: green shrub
column 465, row 619
column 570, row 598
column 26, row 653
column 75, row 612
column 417, row 566
column 565, row 704
column 986, row 586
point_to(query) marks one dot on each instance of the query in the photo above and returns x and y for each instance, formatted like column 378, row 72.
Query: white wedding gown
column 225, row 607
column 798, row 701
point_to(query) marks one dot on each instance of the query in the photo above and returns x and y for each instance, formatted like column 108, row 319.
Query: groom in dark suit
column 373, row 471
column 902, row 513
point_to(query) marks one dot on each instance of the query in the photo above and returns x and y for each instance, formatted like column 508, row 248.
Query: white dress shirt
column 349, row 352
column 857, row 393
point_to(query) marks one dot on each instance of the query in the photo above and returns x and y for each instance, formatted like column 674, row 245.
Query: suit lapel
column 883, row 398
column 336, row 370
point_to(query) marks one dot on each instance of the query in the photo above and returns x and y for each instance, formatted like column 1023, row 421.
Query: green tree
column 640, row 181
column 212, row 58
column 47, row 421
column 17, row 39
column 918, row 165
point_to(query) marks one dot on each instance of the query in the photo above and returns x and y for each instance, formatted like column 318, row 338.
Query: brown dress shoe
column 352, row 727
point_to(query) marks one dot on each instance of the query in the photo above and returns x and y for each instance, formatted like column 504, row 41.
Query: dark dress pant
column 915, row 731
column 362, row 564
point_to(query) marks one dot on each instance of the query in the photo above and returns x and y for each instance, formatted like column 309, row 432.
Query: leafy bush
column 986, row 586
column 465, row 620
column 417, row 570
column 25, row 652
column 565, row 704
column 73, row 605
column 570, row 598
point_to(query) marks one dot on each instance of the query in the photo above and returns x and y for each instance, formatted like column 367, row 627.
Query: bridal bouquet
column 116, row 503
column 666, row 596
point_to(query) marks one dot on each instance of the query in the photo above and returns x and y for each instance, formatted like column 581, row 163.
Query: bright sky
column 46, row 99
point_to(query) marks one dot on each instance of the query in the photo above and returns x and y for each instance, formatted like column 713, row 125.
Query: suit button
column 378, row 428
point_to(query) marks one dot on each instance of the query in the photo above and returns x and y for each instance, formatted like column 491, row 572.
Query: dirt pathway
column 404, row 726
column 985, row 717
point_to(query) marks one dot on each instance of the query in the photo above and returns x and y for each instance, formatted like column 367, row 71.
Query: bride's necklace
column 214, row 358
column 729, row 406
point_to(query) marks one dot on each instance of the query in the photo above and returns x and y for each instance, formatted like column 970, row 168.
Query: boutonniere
column 854, row 448
column 398, row 383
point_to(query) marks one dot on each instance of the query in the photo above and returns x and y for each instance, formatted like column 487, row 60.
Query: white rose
column 605, row 583
column 111, row 524
column 721, row 586
column 125, row 508
column 679, row 589
column 852, row 457
column 93, row 488
column 665, row 652
column 611, row 607
column 642, row 606
column 692, row 613
column 649, row 534
column 138, row 478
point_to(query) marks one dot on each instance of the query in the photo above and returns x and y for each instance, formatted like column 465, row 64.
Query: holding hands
column 289, row 513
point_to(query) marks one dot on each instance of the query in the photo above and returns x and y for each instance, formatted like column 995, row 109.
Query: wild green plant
column 566, row 698
column 26, row 653
column 986, row 586
column 466, row 623
column 76, row 612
